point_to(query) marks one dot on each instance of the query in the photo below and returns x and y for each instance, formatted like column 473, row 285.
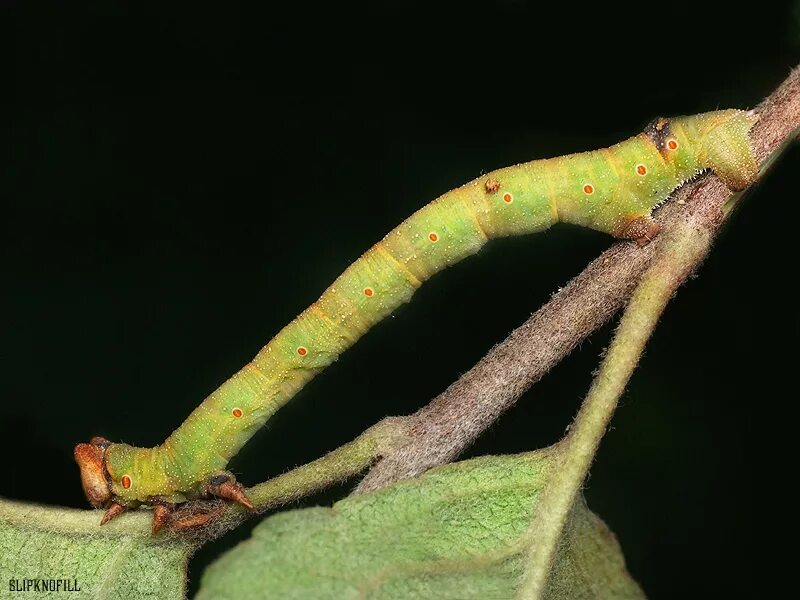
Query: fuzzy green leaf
column 120, row 560
column 458, row 532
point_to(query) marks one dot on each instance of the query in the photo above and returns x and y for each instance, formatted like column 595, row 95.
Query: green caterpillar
column 612, row 190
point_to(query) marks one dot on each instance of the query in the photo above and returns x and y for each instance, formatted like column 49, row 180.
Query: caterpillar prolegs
column 612, row 190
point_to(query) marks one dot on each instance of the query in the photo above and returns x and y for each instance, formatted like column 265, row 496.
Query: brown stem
column 449, row 424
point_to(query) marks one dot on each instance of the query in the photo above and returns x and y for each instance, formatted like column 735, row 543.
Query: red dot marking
column 672, row 145
column 433, row 236
column 588, row 189
column 641, row 169
column 237, row 412
column 368, row 292
column 302, row 350
column 126, row 482
column 508, row 198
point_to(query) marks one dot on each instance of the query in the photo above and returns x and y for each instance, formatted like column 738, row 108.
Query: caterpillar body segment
column 612, row 190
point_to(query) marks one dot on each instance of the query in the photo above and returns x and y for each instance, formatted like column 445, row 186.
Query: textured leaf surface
column 459, row 532
column 117, row 561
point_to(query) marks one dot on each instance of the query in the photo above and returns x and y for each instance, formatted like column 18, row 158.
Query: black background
column 178, row 183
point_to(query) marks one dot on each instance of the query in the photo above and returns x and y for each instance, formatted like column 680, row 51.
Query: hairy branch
column 451, row 422
column 339, row 464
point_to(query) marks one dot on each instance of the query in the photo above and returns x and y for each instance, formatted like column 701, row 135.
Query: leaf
column 120, row 560
column 458, row 532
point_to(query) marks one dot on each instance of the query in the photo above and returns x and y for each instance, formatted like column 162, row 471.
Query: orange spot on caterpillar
column 237, row 412
column 672, row 144
column 492, row 185
column 126, row 481
column 641, row 169
column 508, row 198
column 433, row 236
column 588, row 189
column 368, row 292
column 302, row 350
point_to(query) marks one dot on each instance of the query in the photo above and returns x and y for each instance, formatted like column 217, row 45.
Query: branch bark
column 450, row 423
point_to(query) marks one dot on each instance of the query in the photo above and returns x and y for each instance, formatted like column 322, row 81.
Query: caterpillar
column 612, row 190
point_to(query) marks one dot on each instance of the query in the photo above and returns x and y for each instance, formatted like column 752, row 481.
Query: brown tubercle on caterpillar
column 491, row 185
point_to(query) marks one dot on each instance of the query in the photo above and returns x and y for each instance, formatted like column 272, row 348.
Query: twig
column 445, row 427
column 683, row 248
column 339, row 464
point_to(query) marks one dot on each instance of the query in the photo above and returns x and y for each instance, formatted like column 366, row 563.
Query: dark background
column 178, row 183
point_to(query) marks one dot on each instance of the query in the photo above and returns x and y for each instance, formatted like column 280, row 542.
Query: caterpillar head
column 91, row 459
column 108, row 472
column 720, row 141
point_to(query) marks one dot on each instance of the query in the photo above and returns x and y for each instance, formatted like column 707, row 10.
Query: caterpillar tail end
column 737, row 179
